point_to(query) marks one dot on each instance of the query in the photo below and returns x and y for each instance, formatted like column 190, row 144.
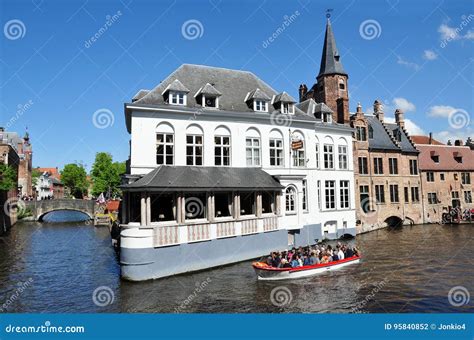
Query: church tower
column 331, row 86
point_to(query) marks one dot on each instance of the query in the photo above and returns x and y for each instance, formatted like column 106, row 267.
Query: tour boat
column 266, row 272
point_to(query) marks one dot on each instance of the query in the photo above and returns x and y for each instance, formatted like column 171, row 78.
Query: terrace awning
column 201, row 178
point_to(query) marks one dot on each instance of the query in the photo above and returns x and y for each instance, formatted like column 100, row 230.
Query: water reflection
column 65, row 216
column 407, row 270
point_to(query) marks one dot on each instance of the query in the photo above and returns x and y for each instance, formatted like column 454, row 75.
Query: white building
column 224, row 166
column 44, row 187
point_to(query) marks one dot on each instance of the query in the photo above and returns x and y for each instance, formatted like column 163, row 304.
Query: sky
column 68, row 67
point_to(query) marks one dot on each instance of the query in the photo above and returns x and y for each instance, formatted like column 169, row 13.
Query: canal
column 71, row 267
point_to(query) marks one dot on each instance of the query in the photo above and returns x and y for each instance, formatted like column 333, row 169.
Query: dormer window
column 260, row 105
column 458, row 159
column 371, row 132
column 177, row 98
column 287, row 108
column 327, row 117
column 208, row 96
column 175, row 93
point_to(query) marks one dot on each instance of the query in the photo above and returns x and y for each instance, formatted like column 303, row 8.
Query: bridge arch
column 394, row 222
column 40, row 208
column 44, row 213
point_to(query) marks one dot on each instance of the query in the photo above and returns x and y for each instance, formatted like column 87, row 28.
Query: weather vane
column 328, row 12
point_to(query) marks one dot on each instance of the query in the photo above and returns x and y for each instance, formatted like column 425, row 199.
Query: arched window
column 222, row 146
column 194, row 145
column 164, row 144
column 298, row 149
column 252, row 147
column 290, row 197
column 342, row 154
column 277, row 157
column 328, row 151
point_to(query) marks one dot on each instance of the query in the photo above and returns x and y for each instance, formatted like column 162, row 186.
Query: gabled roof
column 330, row 59
column 176, row 85
column 204, row 178
column 257, row 94
column 284, row 97
column 446, row 155
column 382, row 140
column 208, row 89
column 322, row 108
column 404, row 143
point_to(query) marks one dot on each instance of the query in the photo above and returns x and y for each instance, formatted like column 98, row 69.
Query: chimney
column 458, row 142
column 359, row 108
column 449, row 142
column 431, row 138
column 378, row 110
column 399, row 118
column 302, row 91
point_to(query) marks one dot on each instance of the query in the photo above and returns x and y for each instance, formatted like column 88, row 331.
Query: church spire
column 330, row 59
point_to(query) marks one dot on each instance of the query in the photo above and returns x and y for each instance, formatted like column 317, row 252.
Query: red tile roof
column 54, row 172
column 425, row 140
column 446, row 156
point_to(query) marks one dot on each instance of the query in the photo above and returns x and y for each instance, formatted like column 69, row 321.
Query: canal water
column 71, row 267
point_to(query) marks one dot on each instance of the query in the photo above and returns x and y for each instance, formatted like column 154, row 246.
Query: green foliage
column 23, row 213
column 35, row 175
column 105, row 174
column 74, row 177
column 8, row 177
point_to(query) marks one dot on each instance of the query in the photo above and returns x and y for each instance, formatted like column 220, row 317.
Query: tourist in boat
column 340, row 253
column 335, row 257
column 285, row 264
column 313, row 259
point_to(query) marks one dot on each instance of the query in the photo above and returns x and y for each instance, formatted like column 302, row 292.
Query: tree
column 35, row 175
column 74, row 177
column 8, row 177
column 105, row 175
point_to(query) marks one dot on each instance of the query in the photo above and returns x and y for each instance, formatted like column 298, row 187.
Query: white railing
column 225, row 229
column 199, row 232
column 164, row 236
column 249, row 226
column 270, row 223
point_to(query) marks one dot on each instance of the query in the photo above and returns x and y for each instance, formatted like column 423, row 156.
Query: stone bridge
column 41, row 208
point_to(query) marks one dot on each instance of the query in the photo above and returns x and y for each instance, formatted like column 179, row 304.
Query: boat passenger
column 306, row 261
column 285, row 264
column 340, row 253
column 294, row 262
column 335, row 257
column 348, row 252
column 313, row 259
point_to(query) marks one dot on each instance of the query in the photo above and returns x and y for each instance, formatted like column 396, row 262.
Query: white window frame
column 164, row 144
column 254, row 151
column 290, row 200
column 304, row 201
column 203, row 104
column 260, row 105
column 343, row 163
column 194, row 147
column 317, row 155
column 328, row 156
column 287, row 108
column 330, row 192
column 344, row 194
column 177, row 98
column 222, row 147
column 279, row 155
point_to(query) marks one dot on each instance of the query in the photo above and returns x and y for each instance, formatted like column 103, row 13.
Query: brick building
column 446, row 176
column 387, row 181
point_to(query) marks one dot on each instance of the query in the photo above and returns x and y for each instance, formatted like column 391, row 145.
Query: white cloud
column 441, row 111
column 403, row 104
column 407, row 63
column 430, row 55
column 410, row 126
column 447, row 33
column 445, row 135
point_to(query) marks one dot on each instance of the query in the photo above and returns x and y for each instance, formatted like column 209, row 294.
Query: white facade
column 315, row 172
column 44, row 187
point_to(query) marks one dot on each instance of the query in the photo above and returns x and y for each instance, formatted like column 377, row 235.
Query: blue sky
column 417, row 55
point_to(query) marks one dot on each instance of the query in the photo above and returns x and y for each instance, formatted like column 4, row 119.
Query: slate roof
column 322, row 108
column 140, row 94
column 382, row 139
column 233, row 84
column 202, row 178
column 446, row 155
column 257, row 94
column 330, row 60
column 209, row 89
column 176, row 85
column 404, row 143
column 284, row 97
